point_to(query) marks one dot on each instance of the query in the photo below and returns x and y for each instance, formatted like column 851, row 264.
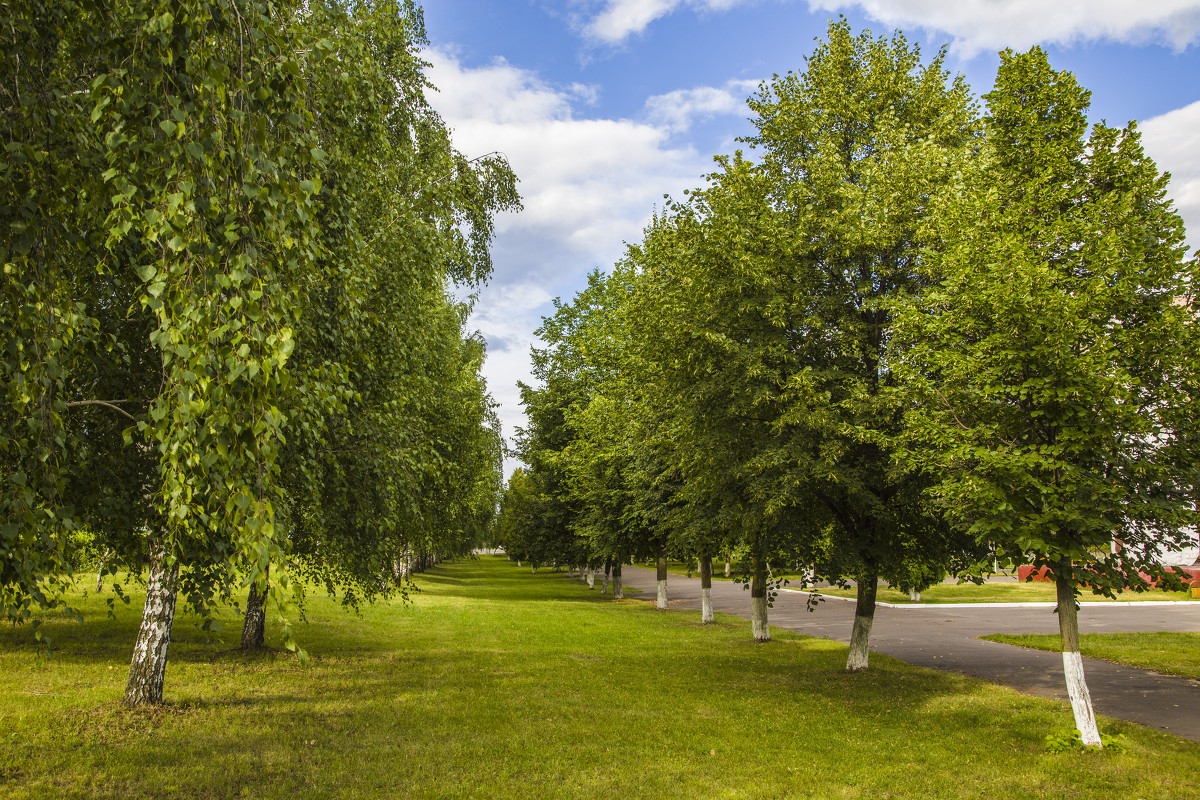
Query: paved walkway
column 946, row 637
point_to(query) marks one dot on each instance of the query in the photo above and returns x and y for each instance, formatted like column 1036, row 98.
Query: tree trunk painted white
column 148, row 667
column 533, row 568
column 706, row 609
column 662, row 580
column 728, row 566
column 607, row 573
column 518, row 562
column 864, row 617
column 254, row 629
column 758, row 602
column 618, row 590
column 591, row 578
column 758, row 619
column 914, row 595
column 1068, row 627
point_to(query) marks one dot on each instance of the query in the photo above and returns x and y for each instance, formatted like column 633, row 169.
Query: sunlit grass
column 497, row 683
column 994, row 592
column 1171, row 653
column 1006, row 592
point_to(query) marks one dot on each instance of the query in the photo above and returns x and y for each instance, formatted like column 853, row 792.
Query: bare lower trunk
column 864, row 617
column 728, row 566
column 662, row 580
column 1068, row 627
column 706, row 611
column 533, row 568
column 607, row 573
column 254, row 629
column 100, row 568
column 914, row 595
column 618, row 590
column 148, row 667
column 518, row 562
column 591, row 578
column 758, row 602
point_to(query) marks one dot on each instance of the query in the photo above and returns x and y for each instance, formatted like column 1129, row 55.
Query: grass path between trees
column 497, row 683
column 1166, row 652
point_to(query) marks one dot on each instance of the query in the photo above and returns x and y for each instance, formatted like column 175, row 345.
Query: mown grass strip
column 1166, row 652
column 1006, row 592
column 993, row 592
column 500, row 684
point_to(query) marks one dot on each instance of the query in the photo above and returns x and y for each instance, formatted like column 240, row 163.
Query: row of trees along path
column 228, row 232
column 906, row 339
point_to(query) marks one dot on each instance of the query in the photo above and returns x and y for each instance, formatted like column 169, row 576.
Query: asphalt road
column 947, row 637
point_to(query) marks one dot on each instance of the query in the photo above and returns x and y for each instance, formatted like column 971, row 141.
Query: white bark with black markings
column 148, row 667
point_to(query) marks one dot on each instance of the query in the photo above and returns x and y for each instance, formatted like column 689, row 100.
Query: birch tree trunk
column 706, row 610
column 864, row 617
column 148, row 668
column 1068, row 627
column 662, row 580
column 254, row 633
column 100, row 568
column 618, row 591
column 758, row 602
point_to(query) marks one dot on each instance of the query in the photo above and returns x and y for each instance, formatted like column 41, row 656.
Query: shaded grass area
column 1001, row 592
column 497, row 683
column 1167, row 652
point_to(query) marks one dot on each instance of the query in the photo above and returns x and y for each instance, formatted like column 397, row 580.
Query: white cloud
column 982, row 25
column 1173, row 141
column 588, row 186
column 621, row 19
column 678, row 109
column 974, row 25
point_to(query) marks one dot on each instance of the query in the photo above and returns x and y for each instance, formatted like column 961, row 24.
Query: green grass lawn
column 1007, row 592
column 497, row 683
column 693, row 569
column 1172, row 653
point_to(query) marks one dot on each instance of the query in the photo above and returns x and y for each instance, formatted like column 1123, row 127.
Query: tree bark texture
column 148, row 667
column 706, row 609
column 607, row 573
column 591, row 578
column 254, row 629
column 758, row 602
column 1068, row 628
column 618, row 590
column 662, row 580
column 728, row 566
column 864, row 617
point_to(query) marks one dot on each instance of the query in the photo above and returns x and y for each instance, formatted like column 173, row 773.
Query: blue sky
column 603, row 106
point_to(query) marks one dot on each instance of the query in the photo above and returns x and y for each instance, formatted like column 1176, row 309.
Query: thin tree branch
column 106, row 403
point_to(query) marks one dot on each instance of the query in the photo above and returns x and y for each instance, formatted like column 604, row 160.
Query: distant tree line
column 230, row 232
column 905, row 340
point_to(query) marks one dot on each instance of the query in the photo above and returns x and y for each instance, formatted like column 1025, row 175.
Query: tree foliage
column 228, row 232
